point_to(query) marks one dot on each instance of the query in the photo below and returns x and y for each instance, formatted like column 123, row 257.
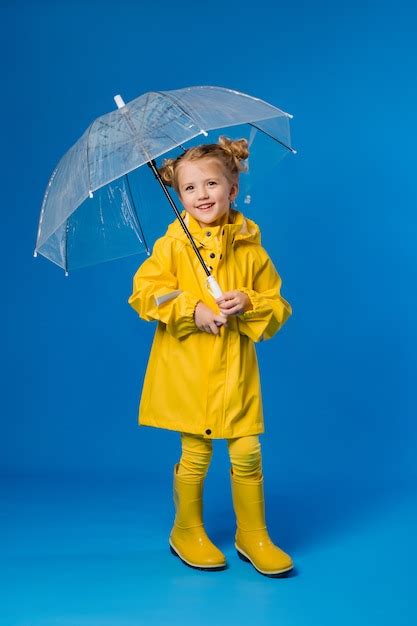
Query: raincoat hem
column 256, row 430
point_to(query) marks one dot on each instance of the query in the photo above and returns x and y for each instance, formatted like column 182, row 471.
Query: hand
column 234, row 303
column 207, row 320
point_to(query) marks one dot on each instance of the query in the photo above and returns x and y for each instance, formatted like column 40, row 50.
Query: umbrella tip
column 66, row 273
column 35, row 254
column 119, row 101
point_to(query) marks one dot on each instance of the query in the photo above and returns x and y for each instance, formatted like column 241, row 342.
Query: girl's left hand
column 234, row 303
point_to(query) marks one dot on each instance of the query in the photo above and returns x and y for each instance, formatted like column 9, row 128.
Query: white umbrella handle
column 214, row 287
column 215, row 290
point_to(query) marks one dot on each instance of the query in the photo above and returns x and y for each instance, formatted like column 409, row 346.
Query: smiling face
column 205, row 190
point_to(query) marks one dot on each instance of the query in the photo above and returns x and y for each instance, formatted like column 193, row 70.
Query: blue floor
column 91, row 552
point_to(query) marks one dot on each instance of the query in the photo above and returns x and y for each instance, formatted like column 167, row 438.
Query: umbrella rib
column 88, row 158
column 272, row 137
column 66, row 245
column 142, row 121
column 134, row 208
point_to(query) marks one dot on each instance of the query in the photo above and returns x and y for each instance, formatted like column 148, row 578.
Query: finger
column 226, row 310
column 214, row 329
column 222, row 302
column 226, row 295
column 229, row 304
column 220, row 320
column 235, row 310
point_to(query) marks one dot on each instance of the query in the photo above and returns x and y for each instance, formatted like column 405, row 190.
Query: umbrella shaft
column 157, row 175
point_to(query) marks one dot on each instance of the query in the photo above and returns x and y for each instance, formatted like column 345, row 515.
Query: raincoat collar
column 239, row 228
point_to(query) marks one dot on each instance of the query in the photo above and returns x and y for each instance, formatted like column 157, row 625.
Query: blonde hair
column 231, row 152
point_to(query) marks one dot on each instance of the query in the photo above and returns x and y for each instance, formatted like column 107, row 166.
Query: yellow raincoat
column 198, row 382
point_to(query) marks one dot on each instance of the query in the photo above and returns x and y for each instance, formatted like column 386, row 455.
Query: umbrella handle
column 214, row 287
column 215, row 290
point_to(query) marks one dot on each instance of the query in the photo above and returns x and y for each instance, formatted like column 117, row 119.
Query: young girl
column 202, row 378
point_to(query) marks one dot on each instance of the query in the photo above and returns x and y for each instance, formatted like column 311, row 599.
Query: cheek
column 189, row 206
column 184, row 200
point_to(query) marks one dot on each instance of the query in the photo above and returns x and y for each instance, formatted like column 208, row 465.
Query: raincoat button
column 212, row 255
column 208, row 431
column 208, row 233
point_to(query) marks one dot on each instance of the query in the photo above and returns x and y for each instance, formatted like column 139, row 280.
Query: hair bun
column 167, row 171
column 239, row 148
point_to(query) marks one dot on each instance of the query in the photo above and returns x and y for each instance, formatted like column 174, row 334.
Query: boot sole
column 244, row 557
column 210, row 568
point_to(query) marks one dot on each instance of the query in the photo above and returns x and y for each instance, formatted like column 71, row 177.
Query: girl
column 202, row 377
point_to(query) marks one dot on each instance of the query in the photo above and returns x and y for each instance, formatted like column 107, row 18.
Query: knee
column 195, row 457
column 246, row 457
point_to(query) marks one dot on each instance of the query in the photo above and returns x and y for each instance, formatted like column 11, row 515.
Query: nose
column 202, row 193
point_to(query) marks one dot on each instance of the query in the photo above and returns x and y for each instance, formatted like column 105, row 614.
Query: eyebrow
column 205, row 180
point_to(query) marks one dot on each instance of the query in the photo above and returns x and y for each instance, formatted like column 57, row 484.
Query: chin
column 207, row 219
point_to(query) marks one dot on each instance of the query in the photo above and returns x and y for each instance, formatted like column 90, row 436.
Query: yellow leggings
column 244, row 452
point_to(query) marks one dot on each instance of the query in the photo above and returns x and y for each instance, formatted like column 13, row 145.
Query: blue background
column 339, row 381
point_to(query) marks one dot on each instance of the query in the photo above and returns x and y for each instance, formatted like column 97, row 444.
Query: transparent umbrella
column 89, row 214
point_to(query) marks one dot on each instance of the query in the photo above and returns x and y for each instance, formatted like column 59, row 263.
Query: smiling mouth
column 205, row 207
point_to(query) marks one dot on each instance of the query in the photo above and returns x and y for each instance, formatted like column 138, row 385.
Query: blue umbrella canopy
column 88, row 213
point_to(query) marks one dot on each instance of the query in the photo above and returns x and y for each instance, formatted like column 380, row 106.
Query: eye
column 212, row 182
column 189, row 187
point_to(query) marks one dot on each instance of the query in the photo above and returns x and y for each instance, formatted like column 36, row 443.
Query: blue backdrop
column 339, row 220
column 85, row 505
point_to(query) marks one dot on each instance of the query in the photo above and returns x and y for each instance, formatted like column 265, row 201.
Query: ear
column 234, row 190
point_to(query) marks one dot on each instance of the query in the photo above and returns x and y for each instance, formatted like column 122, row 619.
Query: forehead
column 200, row 168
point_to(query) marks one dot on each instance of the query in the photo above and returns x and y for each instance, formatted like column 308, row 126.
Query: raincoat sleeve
column 156, row 295
column 269, row 310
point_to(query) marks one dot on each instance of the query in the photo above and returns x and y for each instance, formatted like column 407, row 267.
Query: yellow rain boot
column 253, row 543
column 188, row 538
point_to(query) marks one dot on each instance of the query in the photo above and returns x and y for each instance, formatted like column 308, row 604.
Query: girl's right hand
column 207, row 320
